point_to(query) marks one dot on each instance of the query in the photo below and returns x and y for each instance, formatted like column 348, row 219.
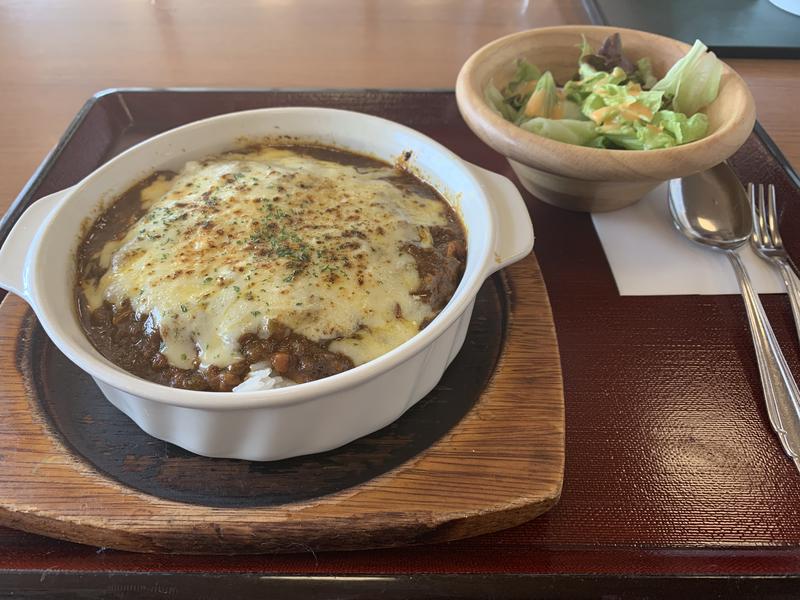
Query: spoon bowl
column 711, row 208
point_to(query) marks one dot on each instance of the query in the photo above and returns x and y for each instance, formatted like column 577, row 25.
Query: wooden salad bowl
column 593, row 179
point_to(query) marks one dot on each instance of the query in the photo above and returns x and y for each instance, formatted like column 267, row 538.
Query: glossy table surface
column 54, row 54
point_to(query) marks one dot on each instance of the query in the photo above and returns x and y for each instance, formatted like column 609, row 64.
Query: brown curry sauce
column 129, row 341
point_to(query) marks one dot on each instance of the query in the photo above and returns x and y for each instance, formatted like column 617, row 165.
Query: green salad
column 613, row 102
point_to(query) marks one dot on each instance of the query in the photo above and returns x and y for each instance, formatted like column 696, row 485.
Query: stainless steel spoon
column 712, row 209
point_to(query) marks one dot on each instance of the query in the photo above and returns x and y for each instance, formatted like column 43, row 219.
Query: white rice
column 261, row 378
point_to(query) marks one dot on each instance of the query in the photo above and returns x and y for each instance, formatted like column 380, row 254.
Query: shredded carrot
column 634, row 89
column 636, row 111
column 603, row 114
column 535, row 104
column 527, row 87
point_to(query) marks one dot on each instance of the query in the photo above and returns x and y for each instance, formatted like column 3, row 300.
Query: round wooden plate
column 482, row 452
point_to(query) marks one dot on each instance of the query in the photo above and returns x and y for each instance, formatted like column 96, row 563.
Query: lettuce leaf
column 524, row 73
column 518, row 90
column 497, row 103
column 644, row 74
column 615, row 107
column 568, row 131
column 667, row 129
column 586, row 71
column 617, row 95
column 651, row 99
column 572, row 110
column 585, row 47
column 683, row 129
column 693, row 82
column 602, row 142
column 577, row 91
column 544, row 102
column 641, row 136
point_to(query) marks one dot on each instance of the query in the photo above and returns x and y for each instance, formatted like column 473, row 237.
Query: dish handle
column 513, row 229
column 14, row 252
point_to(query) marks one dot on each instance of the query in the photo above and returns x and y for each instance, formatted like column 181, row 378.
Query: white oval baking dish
column 37, row 263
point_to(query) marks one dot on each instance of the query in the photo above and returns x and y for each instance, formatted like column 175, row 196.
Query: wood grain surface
column 54, row 54
column 498, row 466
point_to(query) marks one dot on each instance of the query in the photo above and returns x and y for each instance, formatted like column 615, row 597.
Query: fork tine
column 759, row 227
column 772, row 212
column 755, row 236
column 762, row 209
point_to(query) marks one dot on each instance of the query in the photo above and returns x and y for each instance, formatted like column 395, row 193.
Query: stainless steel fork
column 784, row 415
column 766, row 241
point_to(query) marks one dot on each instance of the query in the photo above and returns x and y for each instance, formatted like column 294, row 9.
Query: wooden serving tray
column 674, row 483
column 484, row 451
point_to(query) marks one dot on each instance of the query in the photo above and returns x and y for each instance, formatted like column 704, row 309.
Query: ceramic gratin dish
column 37, row 262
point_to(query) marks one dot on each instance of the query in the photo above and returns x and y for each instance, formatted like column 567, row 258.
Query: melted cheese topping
column 236, row 241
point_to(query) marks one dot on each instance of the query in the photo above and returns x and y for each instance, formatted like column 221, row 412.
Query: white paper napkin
column 649, row 257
